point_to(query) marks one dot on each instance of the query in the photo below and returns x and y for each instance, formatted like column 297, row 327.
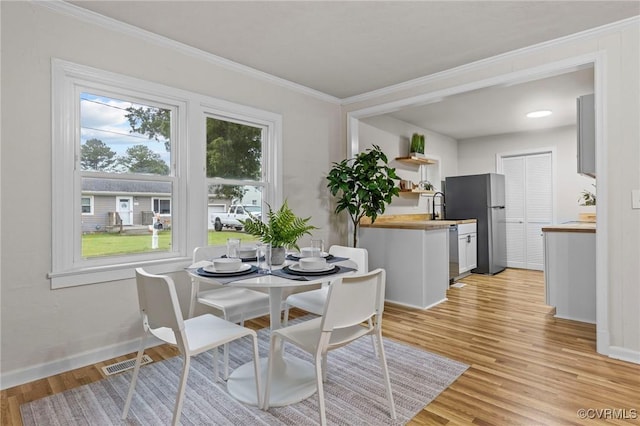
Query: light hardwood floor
column 526, row 367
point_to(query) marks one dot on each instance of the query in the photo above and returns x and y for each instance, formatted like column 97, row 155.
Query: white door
column 124, row 207
column 529, row 207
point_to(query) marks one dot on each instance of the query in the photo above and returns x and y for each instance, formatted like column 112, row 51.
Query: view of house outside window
column 125, row 161
column 130, row 160
column 234, row 169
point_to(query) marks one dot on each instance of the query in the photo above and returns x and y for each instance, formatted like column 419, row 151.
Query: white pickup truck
column 231, row 219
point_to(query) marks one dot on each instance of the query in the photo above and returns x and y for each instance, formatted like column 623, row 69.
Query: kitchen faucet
column 442, row 205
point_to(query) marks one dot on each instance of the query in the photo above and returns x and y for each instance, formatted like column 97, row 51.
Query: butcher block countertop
column 586, row 227
column 411, row 221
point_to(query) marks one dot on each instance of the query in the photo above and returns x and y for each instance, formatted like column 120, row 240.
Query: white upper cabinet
column 586, row 135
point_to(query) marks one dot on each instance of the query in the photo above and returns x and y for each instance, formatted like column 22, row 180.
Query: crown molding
column 410, row 84
column 91, row 17
column 63, row 7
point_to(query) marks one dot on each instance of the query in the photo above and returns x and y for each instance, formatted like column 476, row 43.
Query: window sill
column 118, row 272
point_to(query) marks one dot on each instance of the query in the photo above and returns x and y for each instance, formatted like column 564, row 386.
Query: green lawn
column 102, row 244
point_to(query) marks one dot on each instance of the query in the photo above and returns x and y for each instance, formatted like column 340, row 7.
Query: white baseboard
column 393, row 302
column 587, row 321
column 624, row 354
column 47, row 369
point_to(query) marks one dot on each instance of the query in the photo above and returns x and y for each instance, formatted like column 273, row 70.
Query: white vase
column 278, row 255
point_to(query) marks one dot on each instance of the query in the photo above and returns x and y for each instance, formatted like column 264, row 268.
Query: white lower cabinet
column 415, row 260
column 468, row 251
column 570, row 274
column 464, row 254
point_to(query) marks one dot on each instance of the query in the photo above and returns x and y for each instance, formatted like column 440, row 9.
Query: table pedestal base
column 292, row 381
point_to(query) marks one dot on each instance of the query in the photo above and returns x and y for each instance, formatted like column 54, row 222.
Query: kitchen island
column 570, row 270
column 415, row 253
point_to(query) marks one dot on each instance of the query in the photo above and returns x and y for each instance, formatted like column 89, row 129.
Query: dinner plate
column 212, row 269
column 296, row 270
column 248, row 259
column 296, row 256
column 245, row 270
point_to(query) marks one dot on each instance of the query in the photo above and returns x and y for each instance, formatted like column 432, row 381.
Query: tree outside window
column 234, row 152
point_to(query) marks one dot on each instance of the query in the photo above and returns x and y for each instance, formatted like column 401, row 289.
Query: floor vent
column 124, row 365
column 458, row 285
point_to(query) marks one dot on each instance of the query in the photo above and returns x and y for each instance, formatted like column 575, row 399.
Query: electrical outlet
column 635, row 198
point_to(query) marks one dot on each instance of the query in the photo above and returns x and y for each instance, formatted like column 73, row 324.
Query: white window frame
column 91, row 205
column 153, row 199
column 189, row 213
column 268, row 153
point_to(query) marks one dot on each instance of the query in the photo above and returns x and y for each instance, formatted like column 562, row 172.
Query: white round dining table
column 293, row 379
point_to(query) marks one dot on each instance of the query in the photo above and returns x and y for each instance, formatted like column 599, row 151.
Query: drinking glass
column 233, row 244
column 317, row 246
column 263, row 251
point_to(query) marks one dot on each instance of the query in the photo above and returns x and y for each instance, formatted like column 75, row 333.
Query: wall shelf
column 418, row 161
column 415, row 192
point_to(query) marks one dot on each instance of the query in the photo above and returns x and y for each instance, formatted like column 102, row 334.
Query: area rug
column 354, row 391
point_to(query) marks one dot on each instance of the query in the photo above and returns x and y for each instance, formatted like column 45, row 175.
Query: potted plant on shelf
column 417, row 145
column 282, row 230
column 587, row 203
column 364, row 185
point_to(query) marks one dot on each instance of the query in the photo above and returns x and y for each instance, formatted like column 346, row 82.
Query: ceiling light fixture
column 538, row 114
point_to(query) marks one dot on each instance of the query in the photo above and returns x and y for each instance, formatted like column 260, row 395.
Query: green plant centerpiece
column 363, row 185
column 282, row 230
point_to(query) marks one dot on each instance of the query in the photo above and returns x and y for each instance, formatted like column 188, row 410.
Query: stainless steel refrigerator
column 481, row 197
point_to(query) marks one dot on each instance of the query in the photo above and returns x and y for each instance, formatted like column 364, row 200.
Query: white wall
column 478, row 155
column 393, row 136
column 618, row 51
column 45, row 331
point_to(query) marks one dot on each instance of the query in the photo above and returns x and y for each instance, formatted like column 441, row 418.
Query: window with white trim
column 235, row 167
column 161, row 206
column 121, row 138
column 125, row 147
column 86, row 203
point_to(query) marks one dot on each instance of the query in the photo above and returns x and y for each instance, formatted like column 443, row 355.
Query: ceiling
column 347, row 48
column 502, row 109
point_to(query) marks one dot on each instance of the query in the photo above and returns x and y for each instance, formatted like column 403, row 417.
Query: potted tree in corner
column 363, row 185
column 282, row 230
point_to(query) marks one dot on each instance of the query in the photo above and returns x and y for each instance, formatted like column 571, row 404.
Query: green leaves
column 587, row 198
column 417, row 143
column 283, row 228
column 234, row 151
column 97, row 155
column 141, row 159
column 153, row 122
column 364, row 185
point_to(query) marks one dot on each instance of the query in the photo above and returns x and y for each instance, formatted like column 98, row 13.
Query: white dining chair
column 353, row 309
column 236, row 304
column 313, row 300
column 162, row 318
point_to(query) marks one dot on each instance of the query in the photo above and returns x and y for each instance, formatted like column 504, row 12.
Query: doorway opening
column 594, row 60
